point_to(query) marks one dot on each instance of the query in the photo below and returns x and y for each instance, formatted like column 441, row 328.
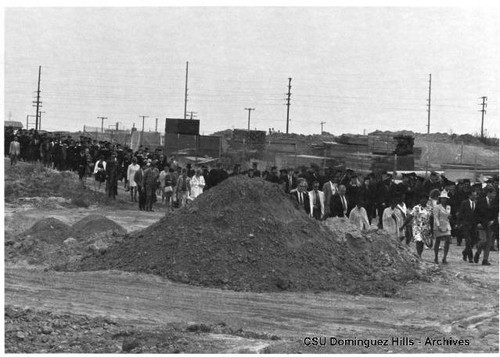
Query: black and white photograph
column 243, row 178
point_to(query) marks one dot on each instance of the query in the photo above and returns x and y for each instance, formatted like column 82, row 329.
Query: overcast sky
column 354, row 68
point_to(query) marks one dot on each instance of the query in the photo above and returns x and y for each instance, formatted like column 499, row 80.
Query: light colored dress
column 131, row 170
column 359, row 217
column 442, row 225
column 389, row 223
column 197, row 184
column 422, row 231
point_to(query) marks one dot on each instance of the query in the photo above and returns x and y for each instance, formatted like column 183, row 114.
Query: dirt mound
column 96, row 224
column 49, row 230
column 246, row 234
column 51, row 242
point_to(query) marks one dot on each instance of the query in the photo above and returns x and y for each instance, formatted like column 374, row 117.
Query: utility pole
column 483, row 112
column 288, row 103
column 429, row 107
column 322, row 123
column 117, row 126
column 186, row 91
column 192, row 115
column 142, row 132
column 143, row 116
column 249, row 111
column 102, row 123
column 38, row 97
column 156, row 126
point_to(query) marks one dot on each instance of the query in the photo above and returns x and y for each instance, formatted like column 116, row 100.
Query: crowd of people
column 426, row 210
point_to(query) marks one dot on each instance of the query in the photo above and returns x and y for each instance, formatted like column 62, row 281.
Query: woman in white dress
column 359, row 217
column 389, row 220
column 442, row 227
column 131, row 170
column 197, row 184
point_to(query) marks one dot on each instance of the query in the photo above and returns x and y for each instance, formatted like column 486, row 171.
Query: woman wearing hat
column 442, row 227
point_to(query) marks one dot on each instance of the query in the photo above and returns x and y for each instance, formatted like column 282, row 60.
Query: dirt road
column 460, row 304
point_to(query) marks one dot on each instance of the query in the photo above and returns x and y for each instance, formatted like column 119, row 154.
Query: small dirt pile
column 51, row 242
column 49, row 230
column 96, row 224
column 37, row 244
column 246, row 234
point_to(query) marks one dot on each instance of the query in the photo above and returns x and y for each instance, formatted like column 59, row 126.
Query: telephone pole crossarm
column 102, row 123
column 249, row 110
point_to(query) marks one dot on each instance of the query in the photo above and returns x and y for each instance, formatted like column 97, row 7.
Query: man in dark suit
column 487, row 218
column 301, row 196
column 339, row 205
column 139, row 180
column 467, row 220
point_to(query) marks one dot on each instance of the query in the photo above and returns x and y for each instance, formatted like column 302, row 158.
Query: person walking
column 442, row 226
column 404, row 220
column 150, row 180
column 112, row 171
column 316, row 202
column 82, row 166
column 131, row 170
column 183, row 188
column 197, row 183
column 139, row 181
column 14, row 151
column 100, row 171
column 467, row 221
column 358, row 216
column 169, row 189
column 487, row 218
column 422, row 233
column 389, row 219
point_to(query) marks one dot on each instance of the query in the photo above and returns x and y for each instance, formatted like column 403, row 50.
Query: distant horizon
column 107, row 130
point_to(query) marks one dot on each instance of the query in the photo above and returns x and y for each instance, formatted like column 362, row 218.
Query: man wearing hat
column 467, row 220
column 112, row 176
column 82, row 166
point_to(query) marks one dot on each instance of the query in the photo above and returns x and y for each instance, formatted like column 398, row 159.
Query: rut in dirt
column 247, row 235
